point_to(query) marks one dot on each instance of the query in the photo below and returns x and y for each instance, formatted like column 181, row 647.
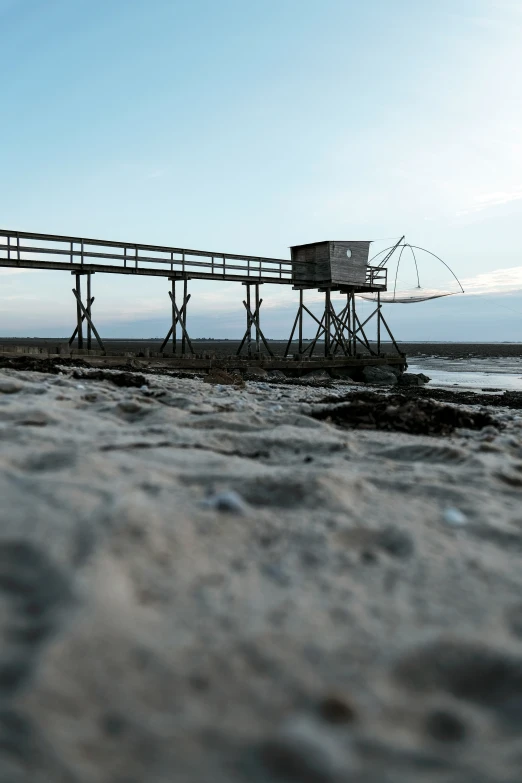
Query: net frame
column 404, row 297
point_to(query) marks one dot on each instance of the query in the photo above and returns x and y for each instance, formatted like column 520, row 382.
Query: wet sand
column 254, row 583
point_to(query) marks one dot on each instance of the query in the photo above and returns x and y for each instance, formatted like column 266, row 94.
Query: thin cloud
column 499, row 281
column 488, row 200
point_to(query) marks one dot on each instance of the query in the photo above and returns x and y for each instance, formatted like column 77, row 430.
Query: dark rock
column 395, row 542
column 343, row 373
column 222, row 377
column 275, row 374
column 379, row 376
column 401, row 413
column 121, row 379
column 255, row 374
column 413, row 379
column 317, row 375
column 337, row 709
column 445, row 726
column 474, row 672
column 34, row 364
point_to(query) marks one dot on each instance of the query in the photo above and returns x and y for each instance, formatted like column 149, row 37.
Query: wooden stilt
column 327, row 321
column 89, row 321
column 391, row 335
column 254, row 321
column 89, row 330
column 174, row 325
column 320, row 332
column 79, row 321
column 184, row 317
column 181, row 319
column 300, row 314
column 289, row 343
column 379, row 323
column 353, row 325
column 258, row 345
column 174, row 329
column 364, row 341
column 249, row 322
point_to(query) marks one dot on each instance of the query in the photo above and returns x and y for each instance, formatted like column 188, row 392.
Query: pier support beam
column 83, row 313
column 253, row 320
column 340, row 332
column 179, row 316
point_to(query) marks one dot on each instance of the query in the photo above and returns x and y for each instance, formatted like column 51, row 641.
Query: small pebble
column 337, row 709
column 10, row 386
column 129, row 406
column 303, row 750
column 228, row 501
column 445, row 726
column 396, row 542
column 453, row 516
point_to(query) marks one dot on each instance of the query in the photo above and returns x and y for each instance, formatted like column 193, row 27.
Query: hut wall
column 311, row 264
column 327, row 264
column 349, row 271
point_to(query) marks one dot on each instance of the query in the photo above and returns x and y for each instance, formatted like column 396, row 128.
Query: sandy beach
column 204, row 582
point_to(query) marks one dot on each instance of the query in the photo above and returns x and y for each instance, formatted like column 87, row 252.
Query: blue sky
column 252, row 126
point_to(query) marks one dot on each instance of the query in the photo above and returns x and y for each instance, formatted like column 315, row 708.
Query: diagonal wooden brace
column 176, row 320
column 76, row 328
column 254, row 320
column 88, row 318
column 339, row 326
column 249, row 324
column 180, row 321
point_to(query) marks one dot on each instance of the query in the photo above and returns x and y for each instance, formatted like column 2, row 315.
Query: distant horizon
column 270, row 340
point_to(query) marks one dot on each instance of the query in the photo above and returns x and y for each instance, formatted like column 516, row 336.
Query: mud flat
column 228, row 347
column 256, row 582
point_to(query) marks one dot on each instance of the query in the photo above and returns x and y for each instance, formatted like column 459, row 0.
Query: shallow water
column 504, row 373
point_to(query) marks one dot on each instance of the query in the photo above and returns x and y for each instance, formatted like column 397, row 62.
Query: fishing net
column 391, row 257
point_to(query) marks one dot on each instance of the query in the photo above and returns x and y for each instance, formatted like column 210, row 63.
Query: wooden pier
column 324, row 266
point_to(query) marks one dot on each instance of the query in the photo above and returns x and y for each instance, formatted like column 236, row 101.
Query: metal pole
column 89, row 330
column 184, row 339
column 79, row 311
column 300, row 322
column 258, row 315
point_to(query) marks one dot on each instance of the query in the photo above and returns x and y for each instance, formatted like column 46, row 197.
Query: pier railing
column 51, row 251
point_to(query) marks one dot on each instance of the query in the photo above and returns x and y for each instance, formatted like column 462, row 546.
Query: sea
column 475, row 374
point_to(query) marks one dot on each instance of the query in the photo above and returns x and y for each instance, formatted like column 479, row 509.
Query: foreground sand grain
column 203, row 583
